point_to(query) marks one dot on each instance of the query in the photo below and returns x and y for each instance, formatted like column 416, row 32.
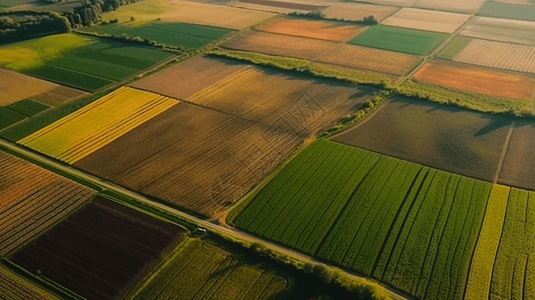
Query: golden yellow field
column 357, row 11
column 98, row 124
column 426, row 20
column 482, row 265
column 498, row 55
column 189, row 12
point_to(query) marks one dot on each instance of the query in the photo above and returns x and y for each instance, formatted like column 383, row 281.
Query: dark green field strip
column 28, row 107
column 9, row 117
column 404, row 40
column 514, row 269
column 96, row 68
column 80, row 80
column 494, row 9
column 454, row 47
column 407, row 225
column 168, row 33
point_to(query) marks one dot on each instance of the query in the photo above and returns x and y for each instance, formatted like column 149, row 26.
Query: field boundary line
column 504, row 153
column 364, row 121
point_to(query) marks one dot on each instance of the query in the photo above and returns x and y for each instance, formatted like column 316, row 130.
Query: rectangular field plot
column 460, row 6
column 13, row 287
column 501, row 30
column 98, row 124
column 426, row 20
column 87, row 63
column 456, row 45
column 519, row 164
column 402, row 3
column 357, row 11
column 28, row 107
column 101, row 251
column 9, row 117
column 189, row 12
column 478, row 80
column 434, row 135
column 522, row 10
column 166, row 33
column 294, row 5
column 32, row 199
column 388, row 219
column 280, row 45
column 409, row 41
column 333, row 31
column 498, row 55
column 199, row 270
column 377, row 60
column 15, row 86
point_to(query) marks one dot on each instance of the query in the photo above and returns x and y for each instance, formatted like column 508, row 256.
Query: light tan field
column 477, row 79
column 189, row 12
column 370, row 59
column 461, row 6
column 357, row 11
column 15, row 86
column 266, row 8
column 515, row 1
column 501, row 30
column 333, row 31
column 403, row 3
column 281, row 45
column 426, row 20
column 498, row 55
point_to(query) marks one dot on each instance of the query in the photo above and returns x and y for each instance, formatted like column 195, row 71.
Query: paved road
column 55, row 165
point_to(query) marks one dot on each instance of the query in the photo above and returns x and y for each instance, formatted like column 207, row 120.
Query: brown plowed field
column 429, row 20
column 435, row 135
column 190, row 76
column 204, row 154
column 477, row 79
column 383, row 61
column 15, row 87
column 501, row 30
column 101, row 251
column 357, row 11
column 498, row 55
column 332, row 31
column 31, row 199
column 281, row 45
column 519, row 164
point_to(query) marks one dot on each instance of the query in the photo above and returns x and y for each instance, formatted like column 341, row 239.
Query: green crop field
column 84, row 62
column 404, row 224
column 28, row 107
column 508, row 10
column 454, row 47
column 400, row 39
column 199, row 270
column 166, row 33
column 9, row 117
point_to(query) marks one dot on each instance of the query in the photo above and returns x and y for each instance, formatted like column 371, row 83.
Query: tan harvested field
column 15, row 86
column 32, row 199
column 403, row 3
column 460, row 6
column 501, row 30
column 189, row 12
column 426, row 20
column 477, row 79
column 377, row 60
column 280, row 45
column 290, row 4
column 498, row 55
column 357, row 11
column 220, row 145
column 324, row 30
column 265, row 8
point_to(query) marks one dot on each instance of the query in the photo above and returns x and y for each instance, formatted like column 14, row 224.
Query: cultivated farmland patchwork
column 426, row 20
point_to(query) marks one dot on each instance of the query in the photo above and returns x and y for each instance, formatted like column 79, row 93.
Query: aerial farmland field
column 426, row 20
column 9, row 117
column 101, row 251
column 501, row 30
column 280, row 45
column 402, row 3
column 382, row 217
column 409, row 41
column 332, row 31
column 357, row 11
column 434, row 135
column 200, row 270
column 519, row 10
column 460, row 6
column 293, row 5
column 13, row 287
column 518, row 167
column 32, row 199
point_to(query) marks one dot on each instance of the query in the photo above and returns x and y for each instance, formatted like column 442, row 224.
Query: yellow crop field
column 482, row 265
column 98, row 124
column 499, row 55
column 189, row 12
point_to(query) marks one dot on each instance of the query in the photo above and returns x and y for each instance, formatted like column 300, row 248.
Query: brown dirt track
column 377, row 60
column 439, row 136
column 477, row 79
column 280, row 45
column 332, row 31
column 101, row 251
column 519, row 164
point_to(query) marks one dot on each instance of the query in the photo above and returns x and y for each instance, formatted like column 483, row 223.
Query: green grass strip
column 9, row 117
column 28, row 107
column 454, row 47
